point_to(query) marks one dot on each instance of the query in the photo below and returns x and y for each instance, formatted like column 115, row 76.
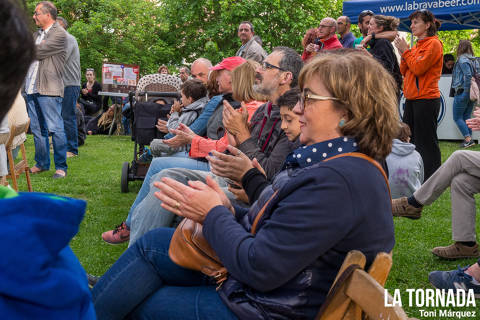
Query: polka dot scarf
column 305, row 156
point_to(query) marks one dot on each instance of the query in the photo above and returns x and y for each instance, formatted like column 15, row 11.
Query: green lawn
column 95, row 176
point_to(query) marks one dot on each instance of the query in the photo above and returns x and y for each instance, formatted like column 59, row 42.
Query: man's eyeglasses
column 325, row 26
column 266, row 65
column 305, row 95
column 36, row 14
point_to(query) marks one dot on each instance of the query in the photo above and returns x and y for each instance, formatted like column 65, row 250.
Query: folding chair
column 356, row 292
column 3, row 140
column 21, row 167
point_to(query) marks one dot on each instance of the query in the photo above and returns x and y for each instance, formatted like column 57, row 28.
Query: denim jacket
column 462, row 73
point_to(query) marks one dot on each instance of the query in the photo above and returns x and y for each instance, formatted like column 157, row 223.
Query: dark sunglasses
column 266, row 65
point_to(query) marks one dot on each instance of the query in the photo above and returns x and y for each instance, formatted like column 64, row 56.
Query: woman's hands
column 401, row 44
column 232, row 166
column 236, row 122
column 474, row 123
column 193, row 201
column 183, row 136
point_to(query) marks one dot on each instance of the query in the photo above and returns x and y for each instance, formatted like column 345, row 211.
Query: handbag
column 189, row 248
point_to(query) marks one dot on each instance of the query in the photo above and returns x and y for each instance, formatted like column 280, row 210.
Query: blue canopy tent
column 453, row 14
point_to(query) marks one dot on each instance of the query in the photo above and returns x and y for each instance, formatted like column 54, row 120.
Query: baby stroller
column 143, row 117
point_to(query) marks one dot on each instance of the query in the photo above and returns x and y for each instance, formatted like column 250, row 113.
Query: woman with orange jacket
column 421, row 67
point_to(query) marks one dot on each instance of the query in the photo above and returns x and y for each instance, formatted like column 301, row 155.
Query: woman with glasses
column 89, row 100
column 319, row 208
column 421, row 67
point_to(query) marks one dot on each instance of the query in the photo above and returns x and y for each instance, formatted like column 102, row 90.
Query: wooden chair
column 21, row 167
column 355, row 292
column 3, row 140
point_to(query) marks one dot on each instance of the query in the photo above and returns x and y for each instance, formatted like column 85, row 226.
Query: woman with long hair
column 421, row 67
column 325, row 203
column 461, row 80
column 382, row 49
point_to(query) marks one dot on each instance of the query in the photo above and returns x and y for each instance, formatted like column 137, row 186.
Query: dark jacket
column 382, row 50
column 93, row 95
column 322, row 211
column 268, row 143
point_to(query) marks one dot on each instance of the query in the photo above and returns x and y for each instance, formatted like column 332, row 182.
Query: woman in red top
column 421, row 67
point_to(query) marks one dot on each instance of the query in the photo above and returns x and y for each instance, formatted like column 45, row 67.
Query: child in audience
column 405, row 165
column 291, row 127
column 194, row 98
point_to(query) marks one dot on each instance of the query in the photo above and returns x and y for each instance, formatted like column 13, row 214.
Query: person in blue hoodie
column 40, row 276
column 405, row 165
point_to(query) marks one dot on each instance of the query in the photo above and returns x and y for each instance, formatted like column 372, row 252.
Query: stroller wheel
column 124, row 181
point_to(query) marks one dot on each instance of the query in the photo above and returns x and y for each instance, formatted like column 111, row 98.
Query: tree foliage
column 172, row 32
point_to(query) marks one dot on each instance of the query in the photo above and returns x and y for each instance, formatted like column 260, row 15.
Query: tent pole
column 411, row 39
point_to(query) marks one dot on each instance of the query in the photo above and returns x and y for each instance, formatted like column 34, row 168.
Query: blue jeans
column 145, row 284
column 45, row 114
column 462, row 110
column 177, row 160
column 70, row 96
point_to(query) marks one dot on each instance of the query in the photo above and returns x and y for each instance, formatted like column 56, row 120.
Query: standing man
column 250, row 48
column 44, row 88
column 327, row 36
column 363, row 22
column 346, row 37
column 184, row 73
column 71, row 82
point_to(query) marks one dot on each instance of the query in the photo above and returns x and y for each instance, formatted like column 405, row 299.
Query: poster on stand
column 119, row 77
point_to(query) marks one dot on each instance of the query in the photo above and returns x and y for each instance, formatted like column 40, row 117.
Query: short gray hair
column 291, row 61
column 62, row 21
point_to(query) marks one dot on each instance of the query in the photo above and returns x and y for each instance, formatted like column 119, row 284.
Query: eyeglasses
column 367, row 12
column 305, row 95
column 324, row 26
column 266, row 65
column 36, row 14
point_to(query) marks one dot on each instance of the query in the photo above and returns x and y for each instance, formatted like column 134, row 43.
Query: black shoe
column 467, row 144
column 92, row 280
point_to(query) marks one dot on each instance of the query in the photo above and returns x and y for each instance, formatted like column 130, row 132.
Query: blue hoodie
column 40, row 277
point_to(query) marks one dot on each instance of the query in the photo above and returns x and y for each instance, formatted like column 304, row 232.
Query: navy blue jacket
column 322, row 211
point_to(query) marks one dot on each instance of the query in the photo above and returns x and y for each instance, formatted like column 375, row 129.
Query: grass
column 95, row 177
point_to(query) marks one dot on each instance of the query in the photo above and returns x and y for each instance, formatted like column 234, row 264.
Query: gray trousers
column 149, row 215
column 461, row 172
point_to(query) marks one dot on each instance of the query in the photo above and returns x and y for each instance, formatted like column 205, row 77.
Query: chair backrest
column 355, row 291
column 17, row 130
column 4, row 137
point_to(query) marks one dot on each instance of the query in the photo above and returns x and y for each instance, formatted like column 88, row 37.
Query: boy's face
column 290, row 123
column 185, row 101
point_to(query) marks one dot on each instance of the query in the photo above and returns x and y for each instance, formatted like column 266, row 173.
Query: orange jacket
column 421, row 68
column 200, row 146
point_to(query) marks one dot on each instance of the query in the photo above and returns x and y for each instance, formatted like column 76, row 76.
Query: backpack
column 475, row 84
